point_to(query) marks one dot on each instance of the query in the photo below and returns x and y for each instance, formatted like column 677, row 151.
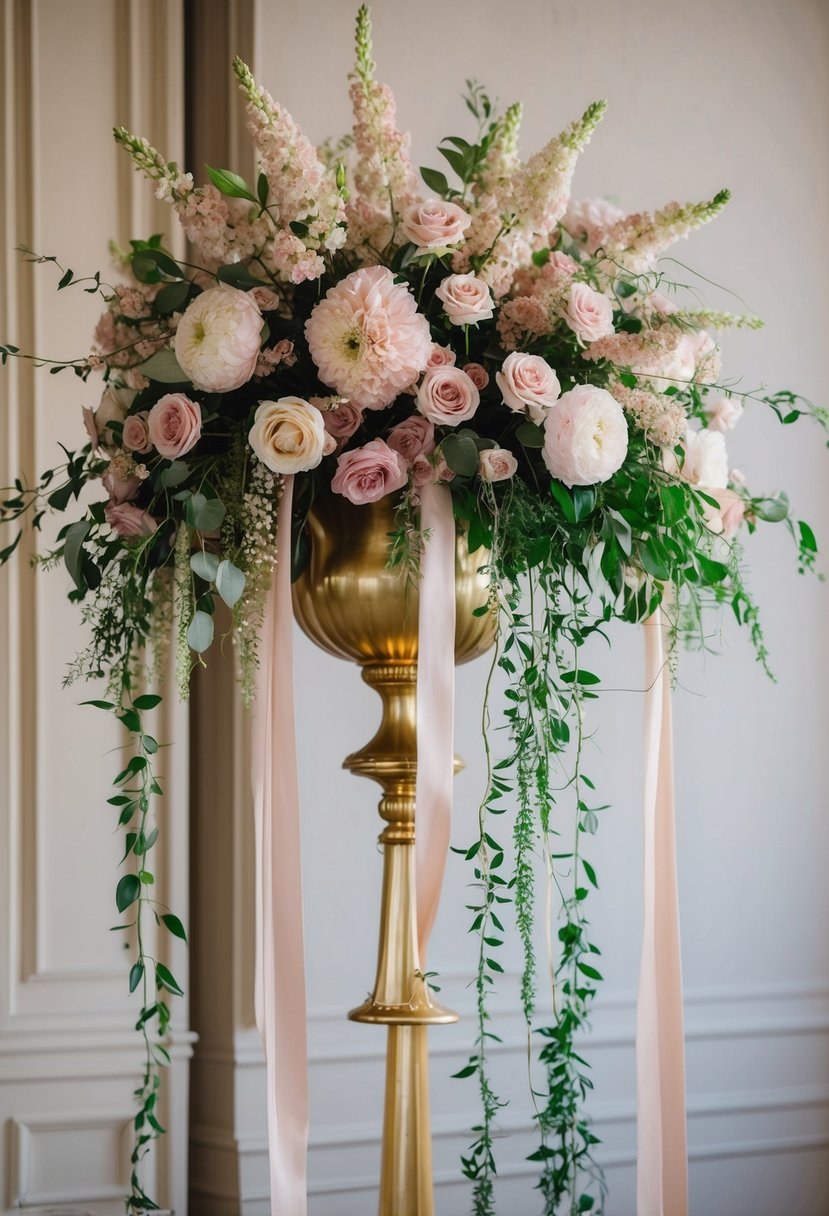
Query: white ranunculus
column 705, row 461
column 288, row 435
column 218, row 339
column 585, row 436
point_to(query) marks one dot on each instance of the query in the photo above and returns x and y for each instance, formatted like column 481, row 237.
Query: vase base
column 417, row 1012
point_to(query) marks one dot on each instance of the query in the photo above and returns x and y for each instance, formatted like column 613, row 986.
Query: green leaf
column 262, row 190
column 200, row 632
column 149, row 744
column 541, row 257
column 174, row 925
column 461, row 454
column 172, row 297
column 230, row 583
column 590, row 872
column 167, row 980
column 205, row 514
column 163, row 367
column 136, row 975
column 230, row 183
column 529, row 435
column 162, row 261
column 584, row 500
column 807, row 537
column 99, row 704
column 711, row 571
column 237, row 275
column 562, row 497
column 178, row 472
column 127, row 891
column 73, row 550
column 435, row 180
column 772, row 510
column 589, row 971
column 131, row 720
column 466, row 1071
column 205, row 565
column 625, row 290
column 147, row 700
column 579, row 677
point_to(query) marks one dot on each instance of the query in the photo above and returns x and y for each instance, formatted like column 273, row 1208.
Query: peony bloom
column 496, row 464
column 589, row 313
column 724, row 414
column 367, row 338
column 127, row 520
column 288, row 435
column 466, row 299
column 477, row 374
column 435, row 225
column 447, row 396
column 585, row 436
column 412, row 437
column 218, row 339
column 136, row 434
column 705, row 460
column 528, row 385
column 369, row 473
column 112, row 407
column 174, row 425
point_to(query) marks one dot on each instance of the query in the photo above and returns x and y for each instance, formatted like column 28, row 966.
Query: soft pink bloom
column 589, row 313
column 724, row 414
column 590, row 220
column 369, row 473
column 120, row 489
column 737, row 478
column 447, row 396
column 136, row 433
column 423, row 473
column 661, row 304
column 528, row 384
column 218, row 339
column 126, row 520
column 329, row 444
column 367, row 338
column 477, row 374
column 496, row 464
column 342, row 422
column 585, row 436
column 732, row 511
column 435, row 224
column 466, row 299
column 561, row 262
column 174, row 425
column 266, row 299
column 440, row 356
column 413, row 436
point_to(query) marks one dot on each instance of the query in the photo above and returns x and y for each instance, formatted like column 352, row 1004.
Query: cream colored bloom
column 288, row 435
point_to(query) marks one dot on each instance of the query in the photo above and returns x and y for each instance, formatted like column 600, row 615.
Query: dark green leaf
column 174, row 925
column 127, row 891
column 461, row 454
column 435, row 180
column 238, row 275
column 147, row 700
column 163, row 367
column 136, row 975
column 177, row 472
column 167, row 980
column 73, row 550
column 172, row 297
column 529, row 435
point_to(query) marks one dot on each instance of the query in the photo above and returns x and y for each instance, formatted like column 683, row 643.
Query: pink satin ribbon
column 662, row 1170
column 435, row 706
column 280, row 959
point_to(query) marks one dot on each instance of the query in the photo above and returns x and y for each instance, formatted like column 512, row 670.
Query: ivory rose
column 528, row 384
column 127, row 520
column 466, row 299
column 218, row 339
column 369, row 473
column 174, row 425
column 447, row 396
column 496, row 464
column 585, row 436
column 136, row 434
column 724, row 414
column 435, row 224
column 112, row 407
column 589, row 313
column 288, row 435
column 412, row 436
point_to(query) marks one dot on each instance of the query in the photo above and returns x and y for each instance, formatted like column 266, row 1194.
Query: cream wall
column 701, row 96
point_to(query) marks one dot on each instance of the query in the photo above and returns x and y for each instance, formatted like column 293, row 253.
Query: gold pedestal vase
column 354, row 606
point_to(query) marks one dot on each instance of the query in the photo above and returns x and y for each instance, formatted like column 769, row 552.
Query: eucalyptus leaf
column 200, row 632
column 204, row 513
column 230, row 583
column 163, row 367
column 461, row 454
column 173, row 476
column 205, row 566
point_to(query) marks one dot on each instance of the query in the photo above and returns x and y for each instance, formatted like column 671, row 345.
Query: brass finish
column 352, row 605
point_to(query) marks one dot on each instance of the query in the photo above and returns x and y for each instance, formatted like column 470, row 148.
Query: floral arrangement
column 372, row 329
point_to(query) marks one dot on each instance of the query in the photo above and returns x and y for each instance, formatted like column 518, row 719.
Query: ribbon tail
column 662, row 1170
column 435, row 705
column 280, row 961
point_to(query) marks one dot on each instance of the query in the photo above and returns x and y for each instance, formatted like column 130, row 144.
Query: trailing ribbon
column 435, row 705
column 662, row 1169
column 280, row 960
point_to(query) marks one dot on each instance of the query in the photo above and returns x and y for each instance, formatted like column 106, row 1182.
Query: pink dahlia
column 367, row 338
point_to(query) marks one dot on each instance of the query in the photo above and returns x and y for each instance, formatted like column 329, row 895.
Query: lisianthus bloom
column 369, row 473
column 367, row 338
column 288, row 435
column 585, row 436
column 218, row 339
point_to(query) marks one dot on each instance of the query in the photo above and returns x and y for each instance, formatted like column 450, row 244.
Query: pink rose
column 126, row 520
column 343, row 421
column 266, row 299
column 440, row 356
column 724, row 414
column 435, row 224
column 496, row 464
column 477, row 374
column 585, row 436
column 447, row 396
column 369, row 473
column 589, row 313
column 329, row 444
column 732, row 511
column 174, row 425
column 466, row 299
column 528, row 384
column 136, row 434
column 563, row 262
column 429, row 470
column 120, row 489
column 413, row 436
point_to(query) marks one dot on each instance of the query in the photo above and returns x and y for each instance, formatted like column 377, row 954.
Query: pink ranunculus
column 435, row 224
column 589, row 313
column 127, row 520
column 732, row 511
column 724, row 414
column 344, row 421
column 528, row 384
column 174, row 425
column 496, row 464
column 447, row 396
column 477, row 374
column 585, row 436
column 120, row 489
column 136, row 433
column 412, row 436
column 466, row 299
column 440, row 356
column 218, row 339
column 369, row 473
